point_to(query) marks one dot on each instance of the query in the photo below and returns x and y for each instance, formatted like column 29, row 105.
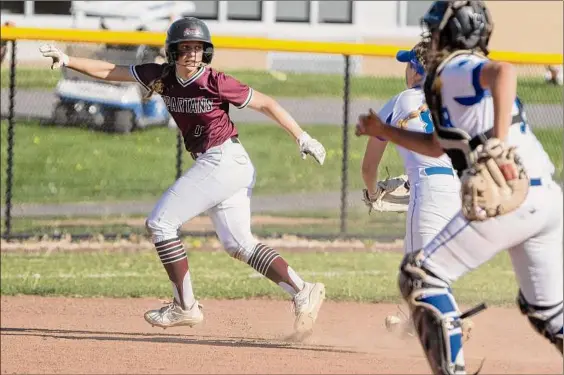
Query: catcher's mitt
column 392, row 195
column 495, row 184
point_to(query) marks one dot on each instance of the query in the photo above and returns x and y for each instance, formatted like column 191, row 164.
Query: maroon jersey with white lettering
column 199, row 105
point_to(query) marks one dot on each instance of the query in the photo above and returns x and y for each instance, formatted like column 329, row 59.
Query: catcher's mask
column 188, row 29
column 460, row 24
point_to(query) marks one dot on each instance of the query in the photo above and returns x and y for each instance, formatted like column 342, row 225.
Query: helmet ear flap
column 172, row 53
column 208, row 53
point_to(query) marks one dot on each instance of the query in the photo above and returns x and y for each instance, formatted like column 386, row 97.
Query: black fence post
column 179, row 146
column 345, row 165
column 10, row 167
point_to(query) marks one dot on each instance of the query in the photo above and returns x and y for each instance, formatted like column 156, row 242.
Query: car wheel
column 61, row 114
column 124, row 121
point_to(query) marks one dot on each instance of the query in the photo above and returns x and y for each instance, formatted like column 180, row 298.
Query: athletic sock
column 175, row 261
column 270, row 264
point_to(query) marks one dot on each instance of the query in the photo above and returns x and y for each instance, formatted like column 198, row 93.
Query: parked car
column 108, row 106
column 115, row 106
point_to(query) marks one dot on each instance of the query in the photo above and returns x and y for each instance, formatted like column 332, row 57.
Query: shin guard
column 546, row 320
column 435, row 314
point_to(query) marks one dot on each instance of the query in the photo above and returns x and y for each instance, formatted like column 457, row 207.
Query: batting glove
column 59, row 58
column 311, row 146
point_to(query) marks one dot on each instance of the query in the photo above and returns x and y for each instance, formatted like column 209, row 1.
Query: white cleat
column 306, row 305
column 173, row 315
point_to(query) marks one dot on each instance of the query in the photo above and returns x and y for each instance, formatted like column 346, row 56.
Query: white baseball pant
column 434, row 200
column 220, row 182
column 533, row 236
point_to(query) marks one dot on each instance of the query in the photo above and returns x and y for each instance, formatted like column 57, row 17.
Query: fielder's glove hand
column 312, row 147
column 371, row 199
column 495, row 184
column 392, row 195
column 59, row 58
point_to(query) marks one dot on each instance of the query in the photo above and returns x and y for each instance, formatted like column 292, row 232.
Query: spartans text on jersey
column 188, row 105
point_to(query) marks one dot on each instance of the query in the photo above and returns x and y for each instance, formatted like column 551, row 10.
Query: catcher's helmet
column 185, row 30
column 461, row 24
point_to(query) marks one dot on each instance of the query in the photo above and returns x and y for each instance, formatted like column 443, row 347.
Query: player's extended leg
column 435, row 315
column 439, row 201
column 412, row 240
column 214, row 177
column 426, row 275
column 232, row 221
column 538, row 268
column 435, row 201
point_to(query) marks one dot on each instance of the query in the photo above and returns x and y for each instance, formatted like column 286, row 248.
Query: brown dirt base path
column 102, row 336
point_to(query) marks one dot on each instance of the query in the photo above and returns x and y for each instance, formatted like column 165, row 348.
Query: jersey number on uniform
column 523, row 117
column 198, row 130
column 425, row 117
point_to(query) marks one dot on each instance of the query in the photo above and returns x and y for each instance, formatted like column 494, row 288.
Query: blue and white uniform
column 434, row 186
column 532, row 233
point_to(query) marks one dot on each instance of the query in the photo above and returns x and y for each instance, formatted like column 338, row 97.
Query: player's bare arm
column 422, row 143
column 271, row 108
column 372, row 156
column 100, row 69
column 500, row 78
column 94, row 68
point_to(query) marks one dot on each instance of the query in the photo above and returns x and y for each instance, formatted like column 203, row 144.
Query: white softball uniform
column 533, row 233
column 434, row 186
column 221, row 182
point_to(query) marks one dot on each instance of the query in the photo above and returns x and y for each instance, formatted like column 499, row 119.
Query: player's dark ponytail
column 154, row 84
column 435, row 58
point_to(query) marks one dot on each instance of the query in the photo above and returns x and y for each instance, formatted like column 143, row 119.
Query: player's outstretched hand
column 369, row 124
column 59, row 58
column 311, row 146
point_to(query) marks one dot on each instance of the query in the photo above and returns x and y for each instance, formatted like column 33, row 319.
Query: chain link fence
column 88, row 158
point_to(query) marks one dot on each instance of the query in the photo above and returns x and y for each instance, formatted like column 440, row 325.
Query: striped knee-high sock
column 270, row 264
column 175, row 261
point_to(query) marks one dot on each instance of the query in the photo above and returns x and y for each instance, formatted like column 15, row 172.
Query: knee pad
column 544, row 319
column 435, row 315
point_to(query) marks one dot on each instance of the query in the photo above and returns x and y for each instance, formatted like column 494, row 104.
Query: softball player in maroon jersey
column 221, row 179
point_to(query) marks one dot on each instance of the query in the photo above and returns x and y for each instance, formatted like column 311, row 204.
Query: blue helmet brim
column 410, row 57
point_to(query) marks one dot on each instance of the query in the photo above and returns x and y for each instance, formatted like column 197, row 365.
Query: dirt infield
column 61, row 335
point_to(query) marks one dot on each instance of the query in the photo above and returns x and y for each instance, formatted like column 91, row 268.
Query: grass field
column 531, row 90
column 70, row 164
column 54, row 165
column 384, row 226
column 359, row 276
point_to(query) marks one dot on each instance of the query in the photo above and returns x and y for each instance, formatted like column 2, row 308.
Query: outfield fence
column 63, row 174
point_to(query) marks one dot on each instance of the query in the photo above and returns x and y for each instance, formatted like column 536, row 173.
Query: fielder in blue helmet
column 411, row 58
column 415, row 59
